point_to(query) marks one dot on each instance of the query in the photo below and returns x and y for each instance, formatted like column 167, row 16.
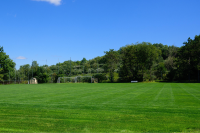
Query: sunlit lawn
column 118, row 107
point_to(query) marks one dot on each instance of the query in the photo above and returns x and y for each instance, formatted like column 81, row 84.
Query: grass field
column 118, row 107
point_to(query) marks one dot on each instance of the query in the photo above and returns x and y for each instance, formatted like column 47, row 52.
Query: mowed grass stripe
column 56, row 94
column 99, row 108
column 42, row 94
column 119, row 92
column 194, row 92
column 129, row 97
column 68, row 93
column 161, row 89
column 100, row 95
column 62, row 99
column 65, row 97
column 146, row 99
column 87, row 96
column 195, row 86
column 188, row 89
column 184, row 99
column 172, row 95
column 26, row 92
column 98, row 98
column 164, row 96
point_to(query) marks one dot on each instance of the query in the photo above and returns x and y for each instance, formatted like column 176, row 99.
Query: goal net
column 66, row 80
column 84, row 79
column 78, row 79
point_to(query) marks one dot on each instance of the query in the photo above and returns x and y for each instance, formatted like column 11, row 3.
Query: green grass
column 125, row 107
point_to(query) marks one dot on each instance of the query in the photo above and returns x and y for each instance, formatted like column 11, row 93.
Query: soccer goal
column 78, row 79
column 66, row 80
column 84, row 79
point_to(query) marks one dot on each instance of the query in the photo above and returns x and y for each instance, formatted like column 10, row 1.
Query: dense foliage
column 141, row 61
column 6, row 66
column 188, row 61
column 137, row 61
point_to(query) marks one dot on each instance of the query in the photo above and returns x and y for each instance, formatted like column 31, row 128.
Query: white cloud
column 21, row 58
column 55, row 2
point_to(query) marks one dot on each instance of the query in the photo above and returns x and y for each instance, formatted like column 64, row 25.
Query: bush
column 100, row 77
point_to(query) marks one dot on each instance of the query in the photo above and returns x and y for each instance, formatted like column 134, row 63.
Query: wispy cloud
column 21, row 58
column 12, row 15
column 55, row 2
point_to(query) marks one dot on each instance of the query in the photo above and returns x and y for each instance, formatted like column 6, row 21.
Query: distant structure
column 33, row 81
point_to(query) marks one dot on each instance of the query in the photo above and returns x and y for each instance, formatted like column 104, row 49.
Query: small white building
column 33, row 81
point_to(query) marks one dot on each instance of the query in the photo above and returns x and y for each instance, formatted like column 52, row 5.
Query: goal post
column 77, row 79
column 84, row 79
column 66, row 80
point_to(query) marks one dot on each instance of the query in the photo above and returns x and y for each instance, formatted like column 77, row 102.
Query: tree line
column 141, row 61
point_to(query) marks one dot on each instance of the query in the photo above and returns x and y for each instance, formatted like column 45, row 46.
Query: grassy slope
column 107, row 107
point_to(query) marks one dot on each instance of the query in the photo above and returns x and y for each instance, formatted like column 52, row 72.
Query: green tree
column 100, row 77
column 6, row 65
column 129, row 68
column 112, row 58
column 146, row 55
column 1, row 75
column 161, row 70
column 83, row 61
column 188, row 59
column 164, row 49
column 170, row 63
column 137, row 59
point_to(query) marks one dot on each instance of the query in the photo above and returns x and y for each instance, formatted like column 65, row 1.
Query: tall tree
column 188, row 59
column 129, row 68
column 137, row 59
column 146, row 54
column 6, row 65
column 112, row 58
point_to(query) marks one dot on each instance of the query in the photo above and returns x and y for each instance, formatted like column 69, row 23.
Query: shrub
column 100, row 77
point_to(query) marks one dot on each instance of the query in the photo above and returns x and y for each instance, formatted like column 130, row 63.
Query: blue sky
column 55, row 30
